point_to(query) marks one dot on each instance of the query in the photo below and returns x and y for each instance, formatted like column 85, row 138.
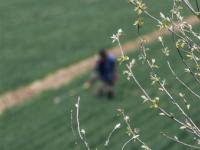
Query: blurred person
column 105, row 72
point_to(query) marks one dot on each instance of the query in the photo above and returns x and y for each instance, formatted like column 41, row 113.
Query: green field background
column 39, row 37
column 43, row 124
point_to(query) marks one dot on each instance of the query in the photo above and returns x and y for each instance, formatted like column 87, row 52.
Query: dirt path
column 65, row 75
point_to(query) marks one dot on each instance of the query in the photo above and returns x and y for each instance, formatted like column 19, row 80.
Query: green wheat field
column 40, row 37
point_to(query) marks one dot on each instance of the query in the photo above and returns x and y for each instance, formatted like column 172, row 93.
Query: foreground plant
column 186, row 44
column 133, row 133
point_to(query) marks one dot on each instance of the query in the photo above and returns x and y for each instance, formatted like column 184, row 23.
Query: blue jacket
column 106, row 68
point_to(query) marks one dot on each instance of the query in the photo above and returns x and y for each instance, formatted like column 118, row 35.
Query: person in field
column 105, row 72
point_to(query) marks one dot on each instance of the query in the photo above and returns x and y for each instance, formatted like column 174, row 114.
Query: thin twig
column 78, row 125
column 180, row 142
